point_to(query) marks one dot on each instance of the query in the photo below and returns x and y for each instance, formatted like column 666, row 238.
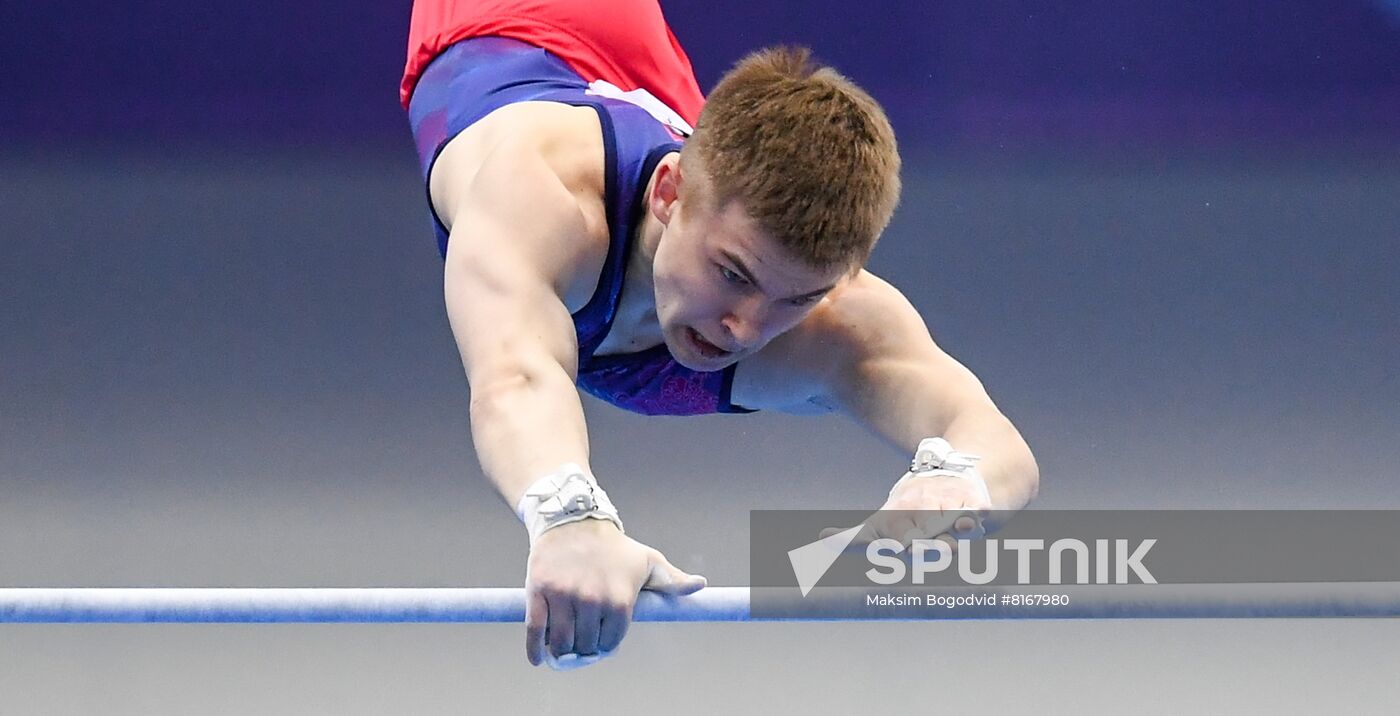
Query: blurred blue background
column 1166, row 235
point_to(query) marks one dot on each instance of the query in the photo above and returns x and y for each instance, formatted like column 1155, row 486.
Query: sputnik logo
column 811, row 561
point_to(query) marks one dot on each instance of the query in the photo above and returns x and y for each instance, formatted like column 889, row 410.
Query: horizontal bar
column 316, row 604
column 713, row 604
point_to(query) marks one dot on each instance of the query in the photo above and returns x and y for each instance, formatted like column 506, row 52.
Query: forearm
column 906, row 401
column 525, row 424
column 1007, row 465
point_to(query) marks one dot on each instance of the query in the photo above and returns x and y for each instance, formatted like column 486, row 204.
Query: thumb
column 866, row 535
column 666, row 578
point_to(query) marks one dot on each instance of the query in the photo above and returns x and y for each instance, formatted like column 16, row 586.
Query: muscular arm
column 868, row 354
column 502, row 284
column 519, row 237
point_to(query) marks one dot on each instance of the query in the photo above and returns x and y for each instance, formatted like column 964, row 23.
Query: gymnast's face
column 724, row 289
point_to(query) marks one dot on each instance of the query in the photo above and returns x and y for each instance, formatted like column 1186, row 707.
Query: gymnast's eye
column 731, row 276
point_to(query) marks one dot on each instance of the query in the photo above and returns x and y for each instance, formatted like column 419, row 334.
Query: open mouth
column 704, row 347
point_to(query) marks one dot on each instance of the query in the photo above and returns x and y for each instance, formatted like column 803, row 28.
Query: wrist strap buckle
column 935, row 456
column 569, row 494
column 938, row 454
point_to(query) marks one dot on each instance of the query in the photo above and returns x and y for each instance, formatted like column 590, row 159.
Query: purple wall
column 1010, row 73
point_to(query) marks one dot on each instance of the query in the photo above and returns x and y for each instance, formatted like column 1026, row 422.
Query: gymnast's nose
column 744, row 324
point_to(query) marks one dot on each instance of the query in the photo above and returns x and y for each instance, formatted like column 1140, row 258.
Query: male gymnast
column 604, row 226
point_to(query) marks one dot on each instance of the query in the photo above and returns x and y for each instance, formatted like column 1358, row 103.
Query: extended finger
column 864, row 536
column 536, row 620
column 968, row 527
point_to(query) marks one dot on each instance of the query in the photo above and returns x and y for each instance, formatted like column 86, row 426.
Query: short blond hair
column 811, row 156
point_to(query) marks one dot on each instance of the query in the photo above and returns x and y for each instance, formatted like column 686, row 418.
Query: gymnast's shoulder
column 529, row 178
column 866, row 319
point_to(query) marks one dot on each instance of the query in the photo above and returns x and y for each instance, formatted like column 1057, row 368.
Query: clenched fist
column 581, row 584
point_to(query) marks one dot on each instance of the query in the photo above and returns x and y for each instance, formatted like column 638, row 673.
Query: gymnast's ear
column 665, row 188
